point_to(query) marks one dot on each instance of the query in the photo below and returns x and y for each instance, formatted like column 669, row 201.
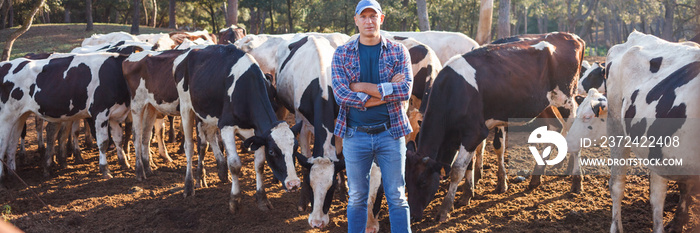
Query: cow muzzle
column 293, row 185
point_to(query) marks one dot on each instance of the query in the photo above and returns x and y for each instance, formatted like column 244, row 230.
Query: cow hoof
column 443, row 217
column 501, row 188
column 465, row 201
column 534, row 183
column 189, row 188
column 105, row 172
column 234, row 204
column 124, row 164
column 576, row 186
column 263, row 203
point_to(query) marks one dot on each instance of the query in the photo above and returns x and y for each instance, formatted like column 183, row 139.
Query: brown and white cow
column 230, row 95
column 231, row 34
column 180, row 36
column 304, row 87
column 651, row 92
column 64, row 87
column 480, row 90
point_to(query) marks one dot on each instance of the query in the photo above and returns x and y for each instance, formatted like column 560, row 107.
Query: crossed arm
column 372, row 90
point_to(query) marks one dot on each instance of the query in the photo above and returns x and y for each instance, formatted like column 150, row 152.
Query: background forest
column 601, row 23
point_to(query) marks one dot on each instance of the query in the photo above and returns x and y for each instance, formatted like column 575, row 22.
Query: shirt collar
column 356, row 43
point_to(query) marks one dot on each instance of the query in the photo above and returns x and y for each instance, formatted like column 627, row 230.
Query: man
column 371, row 81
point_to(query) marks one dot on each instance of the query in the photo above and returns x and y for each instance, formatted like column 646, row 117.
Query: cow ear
column 411, row 146
column 296, row 129
column 303, row 160
column 579, row 99
column 599, row 109
column 254, row 142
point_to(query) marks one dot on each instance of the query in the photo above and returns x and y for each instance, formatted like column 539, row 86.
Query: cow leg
column 459, row 167
column 63, row 138
column 13, row 140
column 162, row 150
column 469, row 182
column 88, row 134
column 305, row 192
column 102, row 136
column 657, row 192
column 138, row 118
column 214, row 140
column 117, row 138
column 234, row 165
column 75, row 142
column 200, row 175
column 39, row 126
column 171, row 132
column 51, row 134
column 305, row 138
column 617, row 186
column 685, row 201
column 536, row 176
column 260, row 195
column 576, row 173
column 127, row 136
column 499, row 144
column 375, row 180
column 187, row 126
column 21, row 153
column 479, row 166
column 149, row 118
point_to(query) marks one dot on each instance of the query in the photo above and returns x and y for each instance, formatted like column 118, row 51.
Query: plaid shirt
column 393, row 59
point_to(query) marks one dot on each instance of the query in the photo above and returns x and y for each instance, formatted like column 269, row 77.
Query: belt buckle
column 377, row 129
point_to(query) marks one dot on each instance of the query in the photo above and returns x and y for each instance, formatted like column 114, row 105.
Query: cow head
column 425, row 177
column 592, row 76
column 323, row 179
column 589, row 121
column 278, row 144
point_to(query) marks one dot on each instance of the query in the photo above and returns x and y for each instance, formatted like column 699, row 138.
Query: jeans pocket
column 349, row 132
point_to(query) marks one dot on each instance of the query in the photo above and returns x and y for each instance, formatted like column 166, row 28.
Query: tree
column 232, row 12
column 423, row 21
column 667, row 33
column 24, row 28
column 171, row 14
column 155, row 12
column 135, row 17
column 483, row 32
column 88, row 15
column 503, row 19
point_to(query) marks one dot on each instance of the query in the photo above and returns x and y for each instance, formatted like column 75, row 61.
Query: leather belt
column 373, row 129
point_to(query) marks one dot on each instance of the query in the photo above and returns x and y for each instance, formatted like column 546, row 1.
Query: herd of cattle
column 246, row 85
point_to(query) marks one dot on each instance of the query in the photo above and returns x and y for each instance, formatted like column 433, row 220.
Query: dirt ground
column 78, row 200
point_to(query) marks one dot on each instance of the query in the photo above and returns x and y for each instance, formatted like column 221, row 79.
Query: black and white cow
column 445, row 44
column 100, row 39
column 64, row 87
column 230, row 95
column 480, row 90
column 650, row 81
column 304, row 87
column 592, row 76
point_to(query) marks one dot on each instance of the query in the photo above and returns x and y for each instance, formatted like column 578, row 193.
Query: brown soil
column 78, row 200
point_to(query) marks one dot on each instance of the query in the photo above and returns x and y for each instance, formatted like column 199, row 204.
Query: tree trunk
column 606, row 31
column 232, row 12
column 404, row 21
column 272, row 19
column 135, row 17
column 525, row 21
column 155, row 12
column 212, row 13
column 11, row 16
column 290, row 18
column 422, row 10
column 88, row 15
column 483, row 33
column 145, row 12
column 503, row 19
column 667, row 33
column 171, row 14
column 24, row 28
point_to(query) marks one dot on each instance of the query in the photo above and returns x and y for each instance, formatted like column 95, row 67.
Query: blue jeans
column 360, row 149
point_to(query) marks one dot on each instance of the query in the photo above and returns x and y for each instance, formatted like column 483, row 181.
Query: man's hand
column 398, row 78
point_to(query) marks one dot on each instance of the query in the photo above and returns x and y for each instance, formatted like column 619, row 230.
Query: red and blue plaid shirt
column 393, row 59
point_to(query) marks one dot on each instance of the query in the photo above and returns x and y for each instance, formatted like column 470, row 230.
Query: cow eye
column 271, row 151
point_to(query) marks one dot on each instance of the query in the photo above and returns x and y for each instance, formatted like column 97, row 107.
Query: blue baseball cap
column 364, row 4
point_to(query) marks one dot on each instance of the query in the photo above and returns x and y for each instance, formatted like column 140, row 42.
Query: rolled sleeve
column 399, row 91
column 385, row 89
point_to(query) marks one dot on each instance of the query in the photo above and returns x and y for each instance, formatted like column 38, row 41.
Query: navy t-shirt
column 369, row 73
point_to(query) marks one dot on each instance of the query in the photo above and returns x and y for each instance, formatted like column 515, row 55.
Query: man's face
column 368, row 21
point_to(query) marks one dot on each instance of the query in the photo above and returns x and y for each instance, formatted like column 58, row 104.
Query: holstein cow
column 592, row 76
column 180, row 36
column 160, row 41
column 264, row 47
column 304, row 87
column 230, row 95
column 652, row 93
column 64, row 87
column 480, row 90
column 99, row 39
column 231, row 34
column 445, row 44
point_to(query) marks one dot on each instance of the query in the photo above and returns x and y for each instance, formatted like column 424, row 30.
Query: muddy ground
column 79, row 200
